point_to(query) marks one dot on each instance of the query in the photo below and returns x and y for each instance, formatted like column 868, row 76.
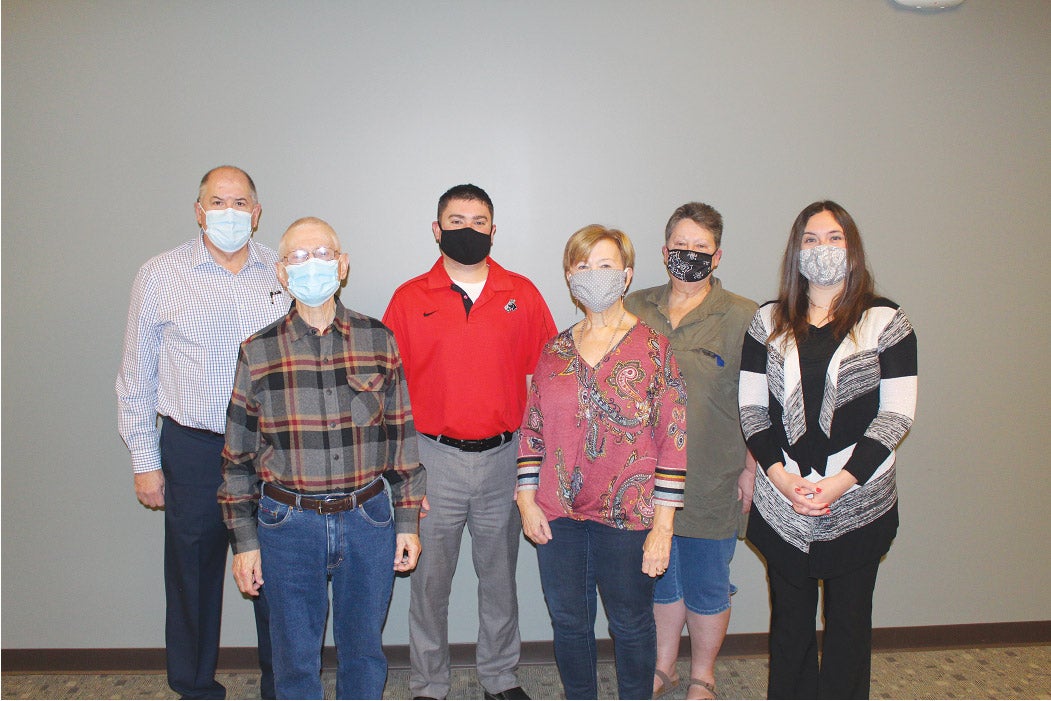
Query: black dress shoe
column 515, row 692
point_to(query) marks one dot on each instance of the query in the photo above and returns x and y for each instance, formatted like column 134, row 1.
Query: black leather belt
column 202, row 431
column 476, row 445
column 323, row 506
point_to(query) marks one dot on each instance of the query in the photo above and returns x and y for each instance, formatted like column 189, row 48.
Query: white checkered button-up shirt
column 187, row 318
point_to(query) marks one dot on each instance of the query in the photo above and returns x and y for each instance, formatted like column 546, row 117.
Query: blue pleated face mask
column 314, row 281
column 228, row 229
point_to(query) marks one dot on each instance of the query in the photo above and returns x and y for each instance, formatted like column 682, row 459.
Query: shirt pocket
column 711, row 376
column 366, row 401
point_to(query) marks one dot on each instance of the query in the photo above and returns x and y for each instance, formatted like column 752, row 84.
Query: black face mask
column 689, row 266
column 466, row 246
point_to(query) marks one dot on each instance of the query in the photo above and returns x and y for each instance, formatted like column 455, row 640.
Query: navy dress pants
column 195, row 547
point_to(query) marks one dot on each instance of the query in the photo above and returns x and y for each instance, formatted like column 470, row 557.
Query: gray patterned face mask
column 598, row 289
column 823, row 265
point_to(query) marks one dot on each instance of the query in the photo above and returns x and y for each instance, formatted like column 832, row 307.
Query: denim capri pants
column 699, row 573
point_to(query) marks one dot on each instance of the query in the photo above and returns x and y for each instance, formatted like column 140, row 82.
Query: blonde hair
column 581, row 243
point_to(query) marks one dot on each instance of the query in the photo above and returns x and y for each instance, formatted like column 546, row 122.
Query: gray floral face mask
column 598, row 289
column 823, row 265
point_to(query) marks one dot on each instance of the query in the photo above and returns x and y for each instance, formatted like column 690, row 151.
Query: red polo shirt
column 466, row 371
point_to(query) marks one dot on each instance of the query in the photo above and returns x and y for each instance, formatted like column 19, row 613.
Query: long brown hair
column 791, row 313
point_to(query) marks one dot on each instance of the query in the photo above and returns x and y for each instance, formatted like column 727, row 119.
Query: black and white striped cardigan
column 868, row 406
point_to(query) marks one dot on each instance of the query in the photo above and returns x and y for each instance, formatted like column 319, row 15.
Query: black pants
column 846, row 656
column 195, row 547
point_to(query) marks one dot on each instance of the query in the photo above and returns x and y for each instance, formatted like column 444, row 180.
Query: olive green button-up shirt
column 707, row 345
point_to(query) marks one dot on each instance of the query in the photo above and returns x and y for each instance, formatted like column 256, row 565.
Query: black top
column 815, row 353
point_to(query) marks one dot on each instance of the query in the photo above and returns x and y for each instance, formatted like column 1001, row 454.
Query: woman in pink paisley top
column 601, row 467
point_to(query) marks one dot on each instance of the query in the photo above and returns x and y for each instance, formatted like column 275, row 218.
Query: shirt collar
column 297, row 328
column 496, row 279
column 715, row 303
column 199, row 254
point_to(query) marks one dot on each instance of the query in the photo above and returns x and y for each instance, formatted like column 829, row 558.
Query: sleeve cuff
column 406, row 519
column 146, row 462
column 243, row 537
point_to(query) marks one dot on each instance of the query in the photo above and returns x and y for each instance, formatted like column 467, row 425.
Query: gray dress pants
column 476, row 490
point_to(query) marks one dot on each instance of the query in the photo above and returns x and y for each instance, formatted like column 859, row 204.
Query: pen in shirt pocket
column 275, row 293
column 718, row 358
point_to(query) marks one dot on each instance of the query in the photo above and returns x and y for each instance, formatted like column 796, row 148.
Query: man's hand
column 406, row 552
column 248, row 572
column 425, row 507
column 149, row 488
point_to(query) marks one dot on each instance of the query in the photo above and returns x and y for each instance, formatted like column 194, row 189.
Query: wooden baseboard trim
column 232, row 659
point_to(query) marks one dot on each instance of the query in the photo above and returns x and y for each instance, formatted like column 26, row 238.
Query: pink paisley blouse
column 606, row 443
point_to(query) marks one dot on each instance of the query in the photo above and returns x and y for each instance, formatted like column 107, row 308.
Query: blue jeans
column 301, row 552
column 583, row 556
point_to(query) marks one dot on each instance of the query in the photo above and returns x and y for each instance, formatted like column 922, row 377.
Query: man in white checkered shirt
column 190, row 309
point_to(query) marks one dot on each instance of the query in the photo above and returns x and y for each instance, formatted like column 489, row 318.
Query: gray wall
column 931, row 128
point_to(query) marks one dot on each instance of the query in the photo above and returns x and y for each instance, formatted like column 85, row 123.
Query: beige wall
column 931, row 128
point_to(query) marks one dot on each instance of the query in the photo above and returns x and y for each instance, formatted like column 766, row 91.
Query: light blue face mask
column 228, row 229
column 313, row 282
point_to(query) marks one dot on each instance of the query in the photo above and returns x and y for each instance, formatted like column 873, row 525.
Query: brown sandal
column 704, row 685
column 667, row 686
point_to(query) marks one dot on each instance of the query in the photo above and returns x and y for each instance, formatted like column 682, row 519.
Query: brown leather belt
column 323, row 506
column 476, row 445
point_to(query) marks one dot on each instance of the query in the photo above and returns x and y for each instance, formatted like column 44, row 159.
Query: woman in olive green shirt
column 706, row 327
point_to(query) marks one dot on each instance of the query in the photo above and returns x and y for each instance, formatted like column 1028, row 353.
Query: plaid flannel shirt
column 317, row 414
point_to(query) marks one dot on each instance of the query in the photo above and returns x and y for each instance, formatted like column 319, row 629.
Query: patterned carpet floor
column 980, row 673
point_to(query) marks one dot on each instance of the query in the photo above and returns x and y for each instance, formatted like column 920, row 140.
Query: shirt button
column 336, row 456
column 328, row 391
column 332, row 424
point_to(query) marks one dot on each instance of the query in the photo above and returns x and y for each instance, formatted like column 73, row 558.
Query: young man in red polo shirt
column 470, row 333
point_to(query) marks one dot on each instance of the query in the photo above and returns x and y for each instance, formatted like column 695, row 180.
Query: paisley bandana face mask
column 823, row 265
column 598, row 289
column 689, row 266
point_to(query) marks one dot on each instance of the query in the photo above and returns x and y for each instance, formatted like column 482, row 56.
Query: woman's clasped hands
column 810, row 498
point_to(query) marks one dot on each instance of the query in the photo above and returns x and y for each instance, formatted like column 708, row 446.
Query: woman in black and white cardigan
column 828, row 390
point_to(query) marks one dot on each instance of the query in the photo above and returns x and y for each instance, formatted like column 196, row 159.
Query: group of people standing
column 620, row 439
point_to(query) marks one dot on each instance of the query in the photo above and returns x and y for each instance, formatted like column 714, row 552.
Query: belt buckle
column 322, row 503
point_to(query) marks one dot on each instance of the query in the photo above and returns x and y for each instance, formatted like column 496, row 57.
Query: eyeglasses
column 301, row 255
